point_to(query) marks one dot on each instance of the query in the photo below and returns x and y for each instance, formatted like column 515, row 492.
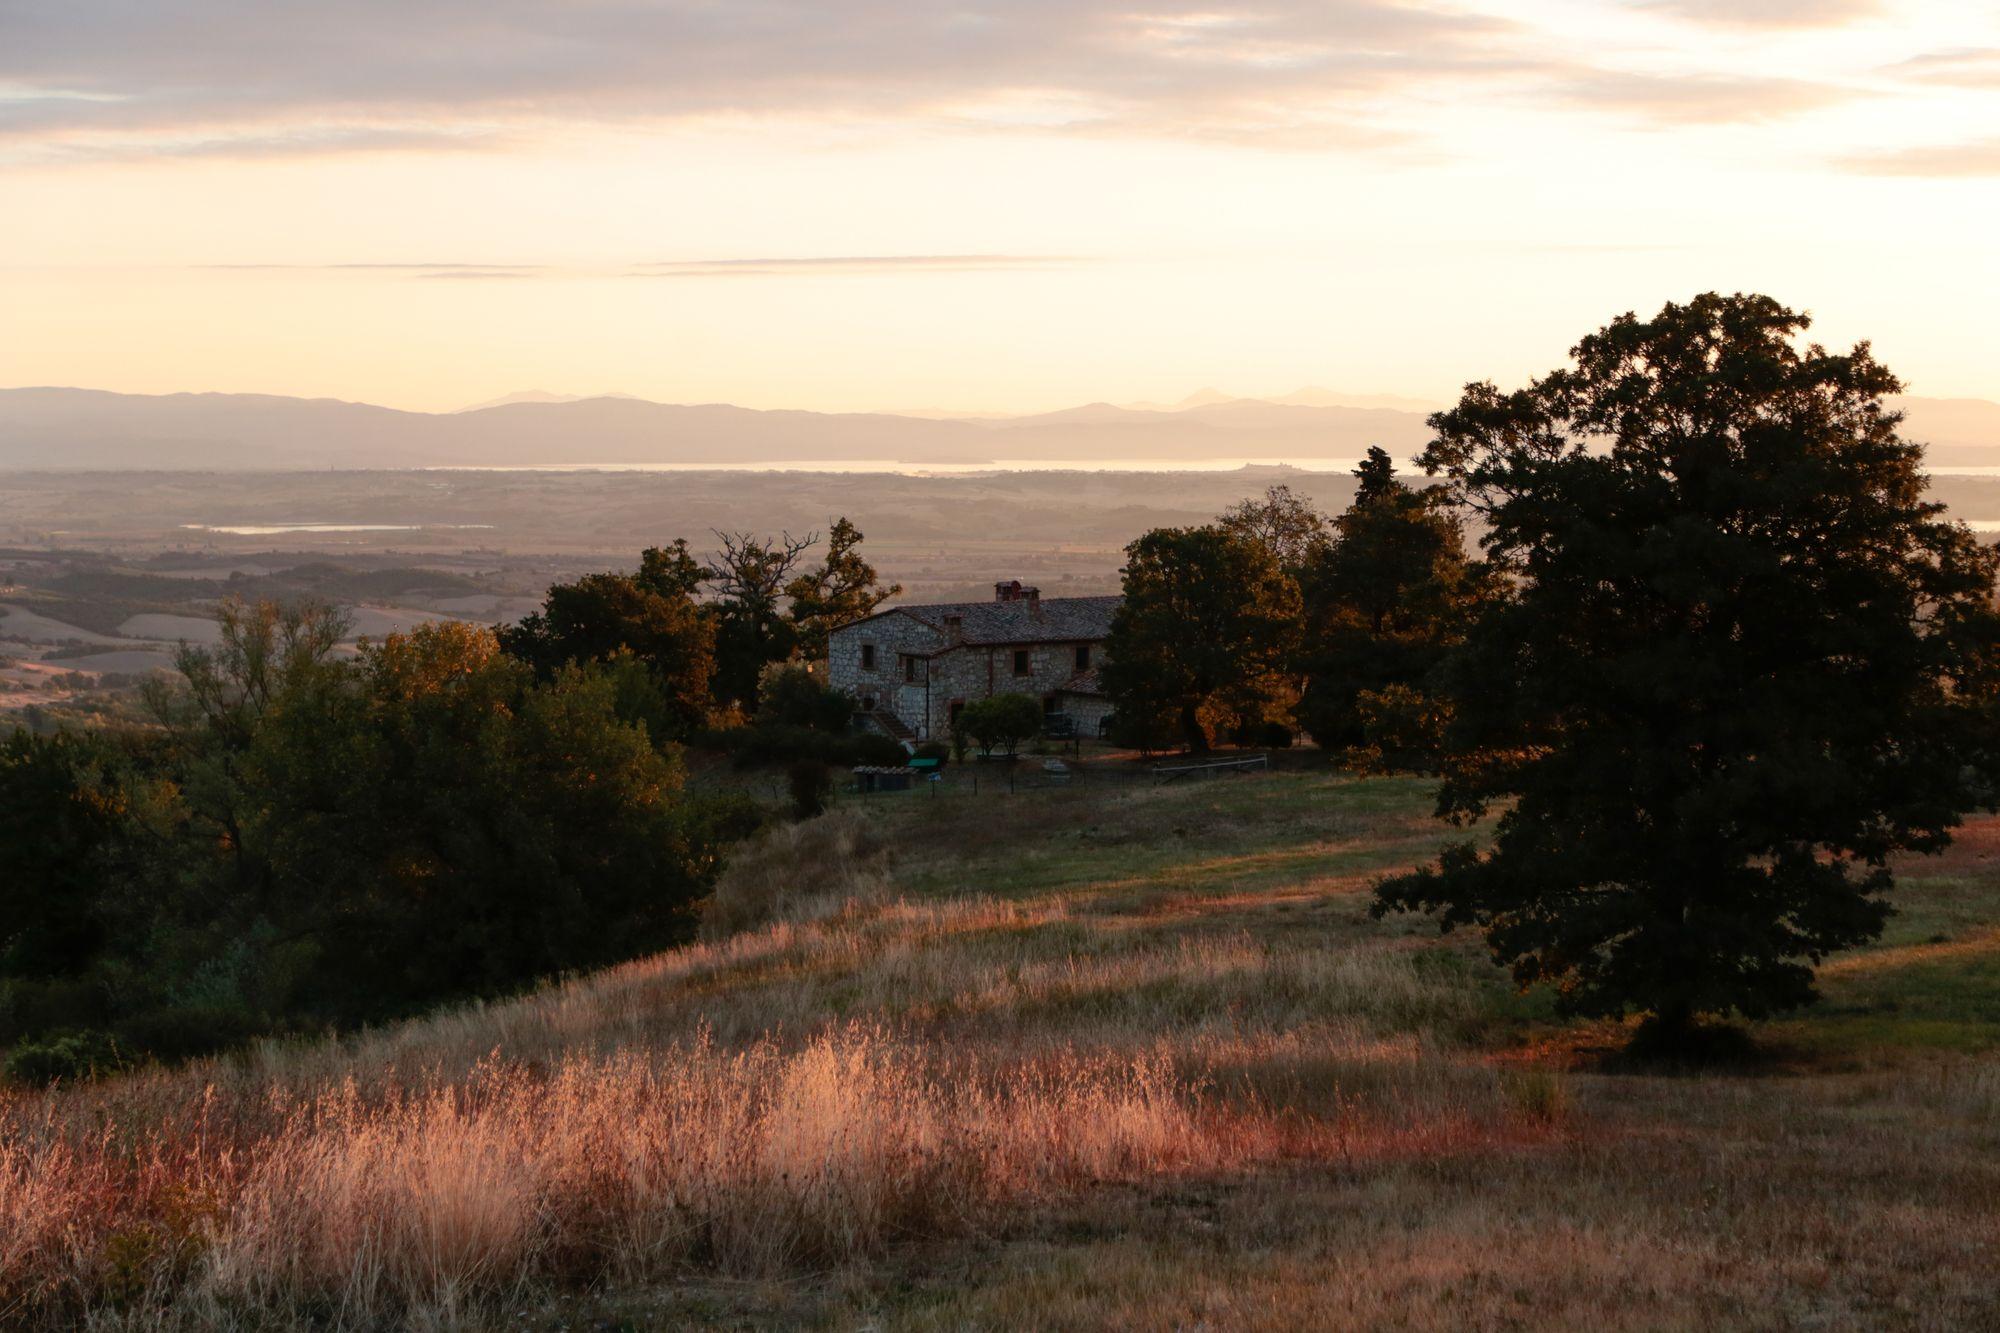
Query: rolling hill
column 1156, row 1067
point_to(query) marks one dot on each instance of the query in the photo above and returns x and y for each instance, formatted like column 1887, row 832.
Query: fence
column 1209, row 768
column 1029, row 774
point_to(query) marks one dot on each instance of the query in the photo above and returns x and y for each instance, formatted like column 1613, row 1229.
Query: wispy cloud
column 255, row 68
column 1693, row 99
column 795, row 265
column 454, row 265
column 1769, row 13
column 1945, row 161
column 759, row 266
column 201, row 78
column 54, row 141
column 1969, row 67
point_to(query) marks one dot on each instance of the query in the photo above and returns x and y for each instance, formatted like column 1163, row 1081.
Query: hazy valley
column 82, row 428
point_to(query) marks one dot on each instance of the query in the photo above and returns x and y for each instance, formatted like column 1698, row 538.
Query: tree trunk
column 1669, row 1031
column 1197, row 735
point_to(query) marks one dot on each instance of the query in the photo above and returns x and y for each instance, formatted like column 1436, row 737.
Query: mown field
column 1069, row 1059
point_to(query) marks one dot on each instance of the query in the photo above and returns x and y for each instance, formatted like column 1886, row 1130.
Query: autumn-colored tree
column 843, row 588
column 1283, row 524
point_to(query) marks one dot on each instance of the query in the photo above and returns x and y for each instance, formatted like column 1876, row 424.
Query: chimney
column 954, row 629
column 1007, row 591
column 1034, row 599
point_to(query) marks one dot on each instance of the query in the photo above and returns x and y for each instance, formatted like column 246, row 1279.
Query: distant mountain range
column 55, row 428
column 539, row 396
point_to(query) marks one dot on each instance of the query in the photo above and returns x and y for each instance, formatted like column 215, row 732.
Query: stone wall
column 1088, row 711
column 977, row 671
column 892, row 636
column 954, row 675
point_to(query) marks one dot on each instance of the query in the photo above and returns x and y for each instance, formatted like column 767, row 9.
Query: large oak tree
column 1742, row 662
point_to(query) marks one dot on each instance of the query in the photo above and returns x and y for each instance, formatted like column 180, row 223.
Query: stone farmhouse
column 913, row 667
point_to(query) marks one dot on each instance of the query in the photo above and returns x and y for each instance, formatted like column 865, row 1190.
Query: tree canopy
column 1207, row 621
column 1000, row 722
column 705, row 632
column 1738, row 663
column 1383, row 599
column 746, row 581
column 652, row 615
column 1285, row 525
column 308, row 838
column 843, row 588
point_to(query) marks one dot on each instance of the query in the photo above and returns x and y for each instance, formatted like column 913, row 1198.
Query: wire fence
column 1032, row 773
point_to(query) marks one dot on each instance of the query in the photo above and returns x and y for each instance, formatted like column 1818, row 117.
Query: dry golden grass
column 1080, row 1059
column 433, row 1203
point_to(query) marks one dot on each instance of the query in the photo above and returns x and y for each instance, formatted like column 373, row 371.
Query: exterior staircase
column 893, row 726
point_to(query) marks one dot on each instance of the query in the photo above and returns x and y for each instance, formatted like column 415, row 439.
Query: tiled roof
column 1083, row 682
column 1061, row 619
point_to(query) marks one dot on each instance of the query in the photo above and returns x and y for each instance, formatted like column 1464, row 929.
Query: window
column 1083, row 657
column 1051, row 705
column 867, row 657
column 1022, row 660
column 913, row 669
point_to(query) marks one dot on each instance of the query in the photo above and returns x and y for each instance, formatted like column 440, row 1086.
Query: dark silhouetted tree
column 1740, row 664
column 793, row 696
column 1208, row 618
column 670, row 570
column 810, row 782
column 73, row 849
column 650, row 615
column 746, row 580
column 1382, row 602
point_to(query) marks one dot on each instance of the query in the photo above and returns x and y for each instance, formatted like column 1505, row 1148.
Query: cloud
column 763, row 266
column 835, row 264
column 245, row 73
column 459, row 264
column 1768, row 13
column 133, row 144
column 252, row 78
column 1696, row 99
column 450, row 269
column 1970, row 67
column 1944, row 161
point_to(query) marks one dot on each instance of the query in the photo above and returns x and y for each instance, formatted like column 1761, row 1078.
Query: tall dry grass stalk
column 842, row 852
column 427, row 1203
column 869, row 1068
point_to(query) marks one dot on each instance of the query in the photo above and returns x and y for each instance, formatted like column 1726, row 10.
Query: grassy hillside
column 1082, row 1058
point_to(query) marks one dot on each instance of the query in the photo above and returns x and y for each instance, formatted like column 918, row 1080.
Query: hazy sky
column 996, row 204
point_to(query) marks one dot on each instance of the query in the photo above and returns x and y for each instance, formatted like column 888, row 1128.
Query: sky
column 983, row 206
